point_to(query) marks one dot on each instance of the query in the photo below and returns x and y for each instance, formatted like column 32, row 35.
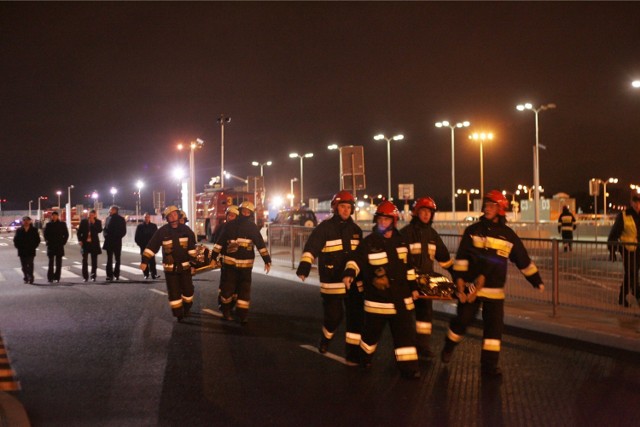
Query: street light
column 221, row 121
column 536, row 155
column 635, row 84
column 291, row 196
column 468, row 193
column 30, row 201
column 194, row 145
column 94, row 196
column 39, row 208
column 333, row 147
column 113, row 192
column 380, row 137
column 604, row 184
column 262, row 165
column 301, row 157
column 481, row 137
column 58, row 193
column 69, row 200
column 445, row 123
column 139, row 185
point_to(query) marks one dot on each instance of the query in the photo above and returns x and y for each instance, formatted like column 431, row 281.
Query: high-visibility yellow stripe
column 411, row 274
column 408, row 302
column 307, row 257
column 354, row 244
column 379, row 258
column 332, row 246
column 424, row 328
column 491, row 293
column 352, row 338
column 402, row 253
column 176, row 303
column 453, row 336
column 461, row 265
column 242, row 304
column 415, row 248
column 184, row 241
column 502, row 247
column 187, row 299
column 168, row 243
column 530, row 270
column 240, row 263
column 264, row 252
column 328, row 335
column 446, row 264
column 379, row 307
column 431, row 249
column 369, row 349
column 353, row 265
column 333, row 288
column 149, row 253
column 404, row 354
column 491, row 344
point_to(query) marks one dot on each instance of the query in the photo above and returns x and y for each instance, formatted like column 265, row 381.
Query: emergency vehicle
column 75, row 218
column 212, row 204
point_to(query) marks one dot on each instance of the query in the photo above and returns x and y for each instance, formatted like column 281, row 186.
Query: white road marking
column 100, row 273
column 327, row 354
column 65, row 273
column 158, row 292
column 212, row 312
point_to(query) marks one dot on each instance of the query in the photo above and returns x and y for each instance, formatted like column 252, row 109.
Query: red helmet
column 342, row 197
column 423, row 202
column 496, row 196
column 389, row 210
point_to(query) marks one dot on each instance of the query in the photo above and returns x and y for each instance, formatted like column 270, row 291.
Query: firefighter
column 235, row 245
column 332, row 242
column 178, row 255
column 480, row 272
column 389, row 290
column 626, row 230
column 231, row 213
column 566, row 225
column 425, row 246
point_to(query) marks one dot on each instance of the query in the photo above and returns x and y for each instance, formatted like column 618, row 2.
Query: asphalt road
column 110, row 354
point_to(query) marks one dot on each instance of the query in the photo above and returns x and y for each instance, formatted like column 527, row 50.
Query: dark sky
column 98, row 94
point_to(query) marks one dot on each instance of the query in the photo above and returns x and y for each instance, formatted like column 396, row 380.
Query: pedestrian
column 56, row 235
column 626, row 229
column 426, row 247
column 333, row 242
column 390, row 289
column 144, row 233
column 480, row 273
column 89, row 239
column 115, row 228
column 26, row 240
column 178, row 245
column 566, row 225
column 236, row 246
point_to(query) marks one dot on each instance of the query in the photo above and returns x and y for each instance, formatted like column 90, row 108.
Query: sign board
column 405, row 191
column 255, row 183
column 352, row 168
column 594, row 187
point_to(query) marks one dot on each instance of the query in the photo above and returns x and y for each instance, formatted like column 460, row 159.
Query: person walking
column 144, row 233
column 236, row 246
column 626, row 231
column 115, row 228
column 480, row 273
column 426, row 247
column 390, row 290
column 26, row 240
column 333, row 241
column 566, row 225
column 89, row 240
column 178, row 245
column 56, row 235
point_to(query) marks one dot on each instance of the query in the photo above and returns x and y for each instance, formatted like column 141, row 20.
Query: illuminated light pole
column 514, row 204
column 139, row 185
column 95, row 196
column 468, row 193
column 333, row 147
column 481, row 137
column 69, row 200
column 178, row 174
column 221, row 121
column 291, row 195
column 604, row 184
column 445, row 123
column 59, row 193
column 635, row 84
column 113, row 192
column 301, row 157
column 30, row 201
column 40, row 208
column 536, row 155
column 262, row 165
column 194, row 145
column 380, row 137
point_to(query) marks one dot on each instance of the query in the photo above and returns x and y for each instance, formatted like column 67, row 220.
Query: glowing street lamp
column 536, row 160
column 113, row 192
column 635, row 84
column 445, row 123
column 291, row 195
column 468, row 193
column 221, row 121
column 604, row 185
column 262, row 165
column 194, row 145
column 59, row 193
column 301, row 157
column 481, row 137
column 380, row 137
column 139, row 185
column 69, row 209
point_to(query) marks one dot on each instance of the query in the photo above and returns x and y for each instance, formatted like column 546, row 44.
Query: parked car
column 304, row 217
column 11, row 227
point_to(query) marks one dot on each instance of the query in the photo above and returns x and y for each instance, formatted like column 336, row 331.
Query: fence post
column 293, row 247
column 555, row 275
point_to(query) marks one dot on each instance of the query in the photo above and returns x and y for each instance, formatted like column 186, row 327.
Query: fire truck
column 75, row 218
column 211, row 206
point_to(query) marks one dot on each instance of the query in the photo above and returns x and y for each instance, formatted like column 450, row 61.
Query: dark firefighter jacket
column 236, row 242
column 178, row 248
column 425, row 247
column 332, row 242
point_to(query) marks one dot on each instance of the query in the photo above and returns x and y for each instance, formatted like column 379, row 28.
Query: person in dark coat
column 89, row 240
column 566, row 225
column 26, row 240
column 115, row 228
column 56, row 235
column 144, row 233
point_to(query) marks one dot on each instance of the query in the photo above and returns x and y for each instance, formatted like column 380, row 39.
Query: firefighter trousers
column 403, row 331
column 424, row 324
column 493, row 325
column 236, row 281
column 180, row 290
column 334, row 308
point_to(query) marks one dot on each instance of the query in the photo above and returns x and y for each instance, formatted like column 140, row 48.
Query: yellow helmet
column 232, row 209
column 170, row 209
column 248, row 205
column 183, row 217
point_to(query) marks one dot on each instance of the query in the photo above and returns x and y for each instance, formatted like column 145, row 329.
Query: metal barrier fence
column 583, row 277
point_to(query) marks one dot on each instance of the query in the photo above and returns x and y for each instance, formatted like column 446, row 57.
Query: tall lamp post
column 604, row 185
column 445, row 123
column 113, row 192
column 30, row 201
column 139, row 185
column 380, row 137
column 301, row 157
column 59, row 193
column 39, row 207
column 536, row 156
column 291, row 196
column 262, row 165
column 221, row 121
column 194, row 145
column 481, row 138
column 69, row 201
column 333, row 147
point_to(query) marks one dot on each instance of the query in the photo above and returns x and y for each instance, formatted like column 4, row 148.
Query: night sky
column 98, row 94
